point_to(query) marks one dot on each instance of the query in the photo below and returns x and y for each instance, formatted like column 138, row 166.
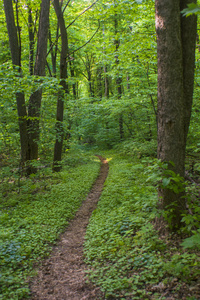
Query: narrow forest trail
column 62, row 275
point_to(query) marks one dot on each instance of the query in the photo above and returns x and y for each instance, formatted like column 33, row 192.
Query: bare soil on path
column 62, row 275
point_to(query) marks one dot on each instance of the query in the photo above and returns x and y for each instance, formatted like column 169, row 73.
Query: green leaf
column 192, row 9
column 166, row 182
column 192, row 242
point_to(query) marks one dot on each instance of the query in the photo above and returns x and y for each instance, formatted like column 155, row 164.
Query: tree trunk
column 188, row 37
column 74, row 85
column 106, row 83
column 174, row 44
column 54, row 50
column 119, row 78
column 88, row 64
column 15, row 48
column 60, row 102
column 31, row 31
column 99, row 82
column 39, row 70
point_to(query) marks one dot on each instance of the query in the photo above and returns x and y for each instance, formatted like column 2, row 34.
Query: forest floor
column 62, row 275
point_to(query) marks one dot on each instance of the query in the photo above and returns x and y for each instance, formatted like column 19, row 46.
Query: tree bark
column 61, row 95
column 119, row 78
column 89, row 60
column 54, row 50
column 175, row 43
column 39, row 70
column 99, row 87
column 74, row 85
column 188, row 37
column 31, row 32
column 106, row 83
column 16, row 61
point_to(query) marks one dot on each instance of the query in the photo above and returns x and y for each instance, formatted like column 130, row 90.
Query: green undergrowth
column 33, row 214
column 124, row 253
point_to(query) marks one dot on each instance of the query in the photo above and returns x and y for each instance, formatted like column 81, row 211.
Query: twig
column 87, row 41
column 82, row 13
column 66, row 6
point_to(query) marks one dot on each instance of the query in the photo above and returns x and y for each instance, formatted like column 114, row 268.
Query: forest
column 100, row 90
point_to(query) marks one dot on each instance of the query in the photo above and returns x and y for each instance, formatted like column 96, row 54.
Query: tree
column 176, row 36
column 28, row 121
column 39, row 70
column 65, row 89
column 119, row 76
column 65, row 57
column 15, row 48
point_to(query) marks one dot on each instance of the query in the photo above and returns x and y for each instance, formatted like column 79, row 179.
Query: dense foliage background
column 92, row 111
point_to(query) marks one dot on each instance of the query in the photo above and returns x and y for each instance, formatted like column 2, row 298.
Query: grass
column 33, row 214
column 124, row 253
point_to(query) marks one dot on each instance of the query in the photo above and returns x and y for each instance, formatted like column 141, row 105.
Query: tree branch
column 82, row 13
column 66, row 6
column 87, row 41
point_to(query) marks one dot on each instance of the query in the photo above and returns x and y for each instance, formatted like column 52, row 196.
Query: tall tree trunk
column 106, row 83
column 176, row 44
column 105, row 69
column 99, row 82
column 54, row 50
column 31, row 31
column 39, row 70
column 61, row 96
column 15, row 48
column 88, row 65
column 119, row 78
column 74, row 85
column 188, row 37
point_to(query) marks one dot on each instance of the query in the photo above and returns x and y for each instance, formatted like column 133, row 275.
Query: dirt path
column 62, row 276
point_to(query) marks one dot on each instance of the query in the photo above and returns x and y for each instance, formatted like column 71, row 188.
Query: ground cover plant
column 126, row 256
column 34, row 212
